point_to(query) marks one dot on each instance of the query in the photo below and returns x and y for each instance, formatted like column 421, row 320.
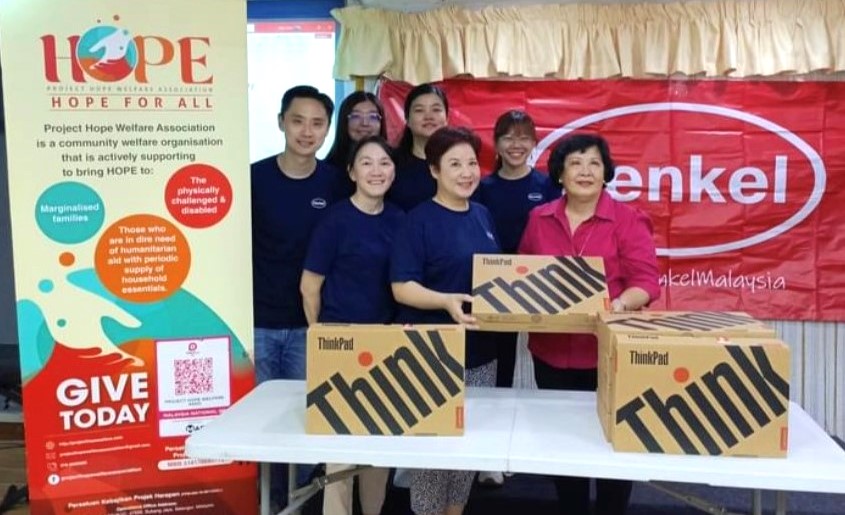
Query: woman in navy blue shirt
column 426, row 110
column 359, row 116
column 510, row 192
column 346, row 280
column 431, row 272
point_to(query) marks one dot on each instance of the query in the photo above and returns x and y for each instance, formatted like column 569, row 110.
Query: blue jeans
column 280, row 354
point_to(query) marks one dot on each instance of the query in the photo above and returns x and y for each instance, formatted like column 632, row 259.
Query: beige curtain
column 726, row 38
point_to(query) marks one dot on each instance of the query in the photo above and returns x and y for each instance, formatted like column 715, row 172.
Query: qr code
column 193, row 376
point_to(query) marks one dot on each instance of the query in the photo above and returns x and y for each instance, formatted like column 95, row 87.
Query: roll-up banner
column 128, row 163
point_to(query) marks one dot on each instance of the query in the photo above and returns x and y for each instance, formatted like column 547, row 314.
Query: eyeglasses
column 361, row 117
column 510, row 140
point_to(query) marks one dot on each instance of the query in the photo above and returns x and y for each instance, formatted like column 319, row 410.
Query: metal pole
column 757, row 502
column 780, row 503
column 264, row 470
column 292, row 486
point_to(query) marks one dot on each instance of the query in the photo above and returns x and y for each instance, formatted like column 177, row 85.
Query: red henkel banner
column 744, row 181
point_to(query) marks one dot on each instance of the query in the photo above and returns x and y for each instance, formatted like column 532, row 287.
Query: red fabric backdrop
column 743, row 180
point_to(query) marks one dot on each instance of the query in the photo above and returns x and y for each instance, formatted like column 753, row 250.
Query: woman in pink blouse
column 586, row 221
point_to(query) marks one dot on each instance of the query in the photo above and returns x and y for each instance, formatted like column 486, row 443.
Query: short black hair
column 445, row 138
column 579, row 142
column 357, row 146
column 306, row 92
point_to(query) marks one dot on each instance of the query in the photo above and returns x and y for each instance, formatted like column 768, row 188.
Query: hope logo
column 107, row 53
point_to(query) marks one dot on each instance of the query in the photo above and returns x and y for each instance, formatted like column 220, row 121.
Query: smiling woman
column 345, row 280
column 587, row 221
column 431, row 272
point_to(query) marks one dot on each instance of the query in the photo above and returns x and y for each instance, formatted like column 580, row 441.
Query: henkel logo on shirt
column 737, row 164
column 318, row 203
column 535, row 196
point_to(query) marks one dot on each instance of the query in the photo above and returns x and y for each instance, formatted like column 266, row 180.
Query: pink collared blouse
column 619, row 233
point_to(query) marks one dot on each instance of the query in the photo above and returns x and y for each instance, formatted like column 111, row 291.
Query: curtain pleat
column 727, row 38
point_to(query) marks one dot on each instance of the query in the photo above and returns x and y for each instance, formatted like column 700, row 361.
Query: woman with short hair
column 431, row 275
column 587, row 221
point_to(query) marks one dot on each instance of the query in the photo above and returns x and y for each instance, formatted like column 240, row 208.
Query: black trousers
column 573, row 493
column 505, row 358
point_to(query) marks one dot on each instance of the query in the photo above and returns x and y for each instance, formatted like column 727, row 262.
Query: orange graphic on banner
column 67, row 259
column 142, row 258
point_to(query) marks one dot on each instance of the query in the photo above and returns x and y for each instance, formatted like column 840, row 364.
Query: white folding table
column 520, row 431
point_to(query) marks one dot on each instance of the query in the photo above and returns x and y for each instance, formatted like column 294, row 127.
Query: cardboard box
column 733, row 323
column 698, row 395
column 385, row 379
column 677, row 323
column 538, row 293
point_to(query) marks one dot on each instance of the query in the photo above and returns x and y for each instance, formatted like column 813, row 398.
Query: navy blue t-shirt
column 351, row 250
column 509, row 202
column 435, row 249
column 413, row 183
column 284, row 212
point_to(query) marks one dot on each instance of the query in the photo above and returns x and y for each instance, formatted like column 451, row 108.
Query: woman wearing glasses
column 509, row 193
column 360, row 115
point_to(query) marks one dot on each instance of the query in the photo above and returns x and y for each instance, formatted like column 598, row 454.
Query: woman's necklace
column 574, row 228
column 581, row 220
column 586, row 240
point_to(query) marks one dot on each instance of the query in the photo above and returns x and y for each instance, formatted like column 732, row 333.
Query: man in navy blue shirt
column 290, row 193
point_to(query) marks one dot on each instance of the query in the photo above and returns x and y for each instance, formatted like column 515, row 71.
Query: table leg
column 780, row 503
column 292, row 485
column 757, row 502
column 264, row 470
